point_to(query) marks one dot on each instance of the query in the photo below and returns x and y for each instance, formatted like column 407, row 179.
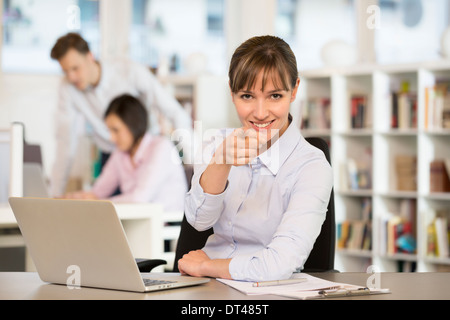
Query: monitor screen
column 4, row 164
column 11, row 162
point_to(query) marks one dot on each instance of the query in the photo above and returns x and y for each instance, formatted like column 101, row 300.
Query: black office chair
column 321, row 258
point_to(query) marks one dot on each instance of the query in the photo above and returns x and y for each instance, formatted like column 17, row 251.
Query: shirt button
column 231, row 245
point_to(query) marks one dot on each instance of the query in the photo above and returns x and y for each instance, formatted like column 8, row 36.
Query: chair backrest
column 321, row 257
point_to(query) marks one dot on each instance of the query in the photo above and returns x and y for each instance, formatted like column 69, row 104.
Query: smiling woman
column 265, row 190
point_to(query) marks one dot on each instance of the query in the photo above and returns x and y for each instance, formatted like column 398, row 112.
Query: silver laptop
column 82, row 242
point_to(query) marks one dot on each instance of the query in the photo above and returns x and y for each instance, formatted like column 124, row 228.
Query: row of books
column 354, row 235
column 316, row 114
column 357, row 234
column 437, row 106
column 403, row 110
column 438, row 235
column 398, row 232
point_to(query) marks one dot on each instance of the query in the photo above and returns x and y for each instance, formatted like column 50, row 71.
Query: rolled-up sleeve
column 299, row 227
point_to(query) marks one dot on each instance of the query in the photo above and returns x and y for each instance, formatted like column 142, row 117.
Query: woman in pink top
column 146, row 168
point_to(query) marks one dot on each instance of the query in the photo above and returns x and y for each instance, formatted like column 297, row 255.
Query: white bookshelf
column 385, row 143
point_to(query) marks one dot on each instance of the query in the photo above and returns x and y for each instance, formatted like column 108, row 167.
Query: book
column 360, row 112
column 399, row 230
column 441, row 236
column 357, row 234
column 359, row 171
column 439, row 177
column 403, row 110
column 406, row 172
column 438, row 235
column 437, row 106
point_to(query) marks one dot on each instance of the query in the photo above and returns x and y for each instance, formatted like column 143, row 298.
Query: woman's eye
column 276, row 96
column 246, row 96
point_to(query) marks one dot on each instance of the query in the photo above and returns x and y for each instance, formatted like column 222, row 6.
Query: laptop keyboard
column 152, row 282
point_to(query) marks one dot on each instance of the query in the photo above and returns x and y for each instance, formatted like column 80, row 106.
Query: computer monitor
column 11, row 162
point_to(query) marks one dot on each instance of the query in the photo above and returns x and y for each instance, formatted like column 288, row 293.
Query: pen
column 342, row 292
column 278, row 282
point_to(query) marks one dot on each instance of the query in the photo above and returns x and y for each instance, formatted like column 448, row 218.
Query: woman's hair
column 133, row 114
column 268, row 53
column 69, row 41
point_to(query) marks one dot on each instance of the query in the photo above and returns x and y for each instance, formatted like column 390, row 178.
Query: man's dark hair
column 67, row 42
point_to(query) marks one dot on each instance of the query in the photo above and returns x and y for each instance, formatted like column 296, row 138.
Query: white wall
column 31, row 99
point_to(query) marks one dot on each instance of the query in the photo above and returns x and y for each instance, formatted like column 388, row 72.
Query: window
column 30, row 31
column 307, row 25
column 410, row 31
column 170, row 33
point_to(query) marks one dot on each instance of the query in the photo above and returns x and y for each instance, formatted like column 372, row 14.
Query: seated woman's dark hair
column 132, row 112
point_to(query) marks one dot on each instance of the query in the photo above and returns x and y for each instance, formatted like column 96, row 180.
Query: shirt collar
column 274, row 157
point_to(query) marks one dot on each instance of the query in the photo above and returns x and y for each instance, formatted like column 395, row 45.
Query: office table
column 418, row 286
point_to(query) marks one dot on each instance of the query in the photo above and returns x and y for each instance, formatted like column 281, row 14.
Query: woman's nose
column 261, row 111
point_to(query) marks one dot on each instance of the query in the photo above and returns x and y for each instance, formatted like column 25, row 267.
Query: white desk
column 143, row 225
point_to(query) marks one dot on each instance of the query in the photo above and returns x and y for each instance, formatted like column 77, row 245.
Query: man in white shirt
column 87, row 89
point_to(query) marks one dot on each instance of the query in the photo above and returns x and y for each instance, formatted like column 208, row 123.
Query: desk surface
column 423, row 286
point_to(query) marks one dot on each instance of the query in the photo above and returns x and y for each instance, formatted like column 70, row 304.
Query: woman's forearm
column 214, row 178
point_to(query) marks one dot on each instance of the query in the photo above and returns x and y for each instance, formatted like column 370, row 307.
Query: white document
column 300, row 290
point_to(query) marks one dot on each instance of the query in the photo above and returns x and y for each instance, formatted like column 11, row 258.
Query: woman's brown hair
column 268, row 53
column 133, row 114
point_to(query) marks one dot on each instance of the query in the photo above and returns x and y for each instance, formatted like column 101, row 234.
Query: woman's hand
column 238, row 149
column 198, row 264
column 241, row 147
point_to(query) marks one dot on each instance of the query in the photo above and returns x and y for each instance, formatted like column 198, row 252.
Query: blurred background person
column 85, row 92
column 147, row 168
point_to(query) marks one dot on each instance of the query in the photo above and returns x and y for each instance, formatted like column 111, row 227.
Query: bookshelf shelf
column 445, row 196
column 387, row 128
column 399, row 194
column 399, row 132
column 401, row 257
column 356, row 253
column 355, row 193
column 436, row 260
column 316, row 133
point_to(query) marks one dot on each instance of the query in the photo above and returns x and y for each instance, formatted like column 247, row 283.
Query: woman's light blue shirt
column 271, row 212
